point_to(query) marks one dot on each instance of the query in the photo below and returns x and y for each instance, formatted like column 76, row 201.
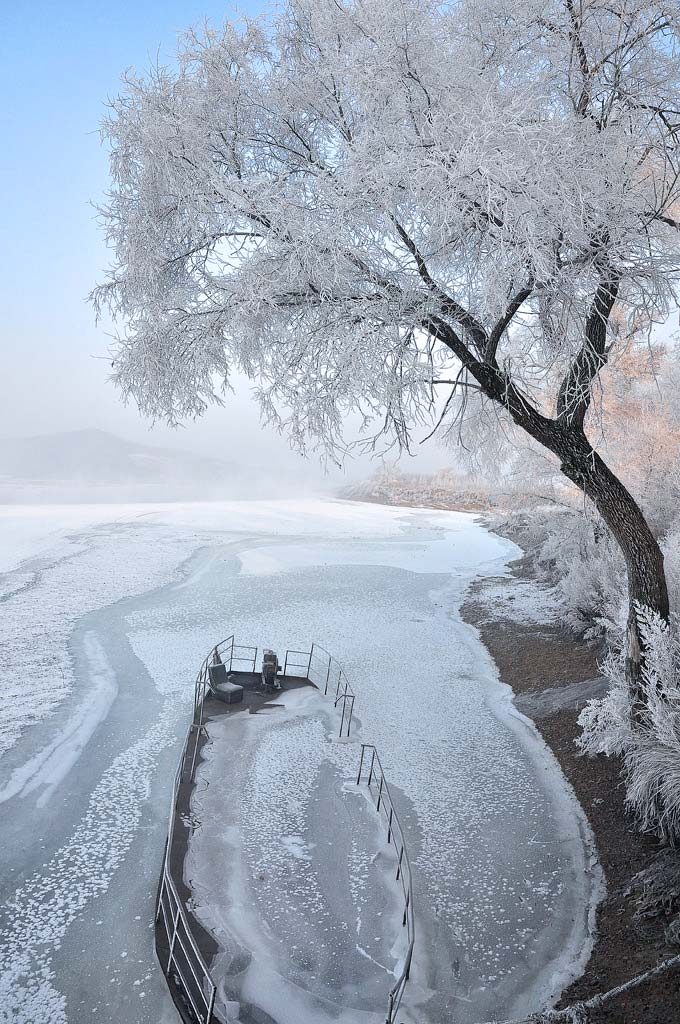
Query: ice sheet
column 27, row 531
column 51, row 764
column 381, row 588
column 107, row 564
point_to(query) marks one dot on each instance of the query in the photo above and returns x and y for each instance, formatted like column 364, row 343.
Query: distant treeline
column 446, row 488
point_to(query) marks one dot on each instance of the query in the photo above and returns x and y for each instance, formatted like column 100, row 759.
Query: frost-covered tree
column 383, row 207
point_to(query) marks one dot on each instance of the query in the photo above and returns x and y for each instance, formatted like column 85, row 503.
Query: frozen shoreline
column 588, row 878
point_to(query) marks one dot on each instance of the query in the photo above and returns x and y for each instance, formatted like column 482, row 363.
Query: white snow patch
column 297, row 847
column 27, row 531
column 460, row 549
column 527, row 602
column 50, row 765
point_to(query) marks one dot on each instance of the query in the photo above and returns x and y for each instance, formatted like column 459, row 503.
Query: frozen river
column 105, row 621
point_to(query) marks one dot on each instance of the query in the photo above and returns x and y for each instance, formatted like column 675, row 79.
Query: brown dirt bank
column 534, row 659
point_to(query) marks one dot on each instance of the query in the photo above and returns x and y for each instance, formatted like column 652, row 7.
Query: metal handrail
column 174, row 917
column 344, row 694
column 385, row 807
column 169, row 904
column 289, row 663
column 333, row 670
column 172, row 910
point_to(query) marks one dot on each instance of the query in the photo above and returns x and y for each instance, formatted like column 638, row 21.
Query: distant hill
column 92, row 465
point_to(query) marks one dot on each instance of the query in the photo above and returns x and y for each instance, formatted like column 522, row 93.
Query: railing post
column 401, row 854
column 285, row 664
column 351, row 710
column 370, row 771
column 328, row 673
column 309, row 664
column 380, row 789
column 159, row 908
column 389, row 827
column 197, row 687
column 408, row 896
column 193, row 759
column 361, row 763
column 344, row 707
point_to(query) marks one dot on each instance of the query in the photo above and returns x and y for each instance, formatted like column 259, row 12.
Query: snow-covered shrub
column 589, row 572
column 576, row 552
column 648, row 736
column 656, row 888
column 606, row 721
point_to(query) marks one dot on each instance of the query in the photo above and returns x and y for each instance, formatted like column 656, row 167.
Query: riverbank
column 553, row 673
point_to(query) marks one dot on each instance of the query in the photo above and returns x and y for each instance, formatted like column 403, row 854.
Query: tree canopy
column 360, row 204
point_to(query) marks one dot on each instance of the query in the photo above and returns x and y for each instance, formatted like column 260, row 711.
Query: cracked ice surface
column 41, row 607
column 497, row 845
column 497, row 840
column 81, row 558
column 46, row 904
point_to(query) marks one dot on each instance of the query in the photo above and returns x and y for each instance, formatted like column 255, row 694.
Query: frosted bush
column 576, row 550
column 589, row 570
column 646, row 734
column 606, row 722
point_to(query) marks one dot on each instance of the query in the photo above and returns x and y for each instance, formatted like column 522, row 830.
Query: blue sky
column 58, row 64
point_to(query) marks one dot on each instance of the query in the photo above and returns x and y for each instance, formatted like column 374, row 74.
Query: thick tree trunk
column 564, row 436
column 581, row 464
column 642, row 554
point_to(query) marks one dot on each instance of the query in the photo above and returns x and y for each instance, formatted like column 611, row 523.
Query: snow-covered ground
column 526, row 601
column 103, row 629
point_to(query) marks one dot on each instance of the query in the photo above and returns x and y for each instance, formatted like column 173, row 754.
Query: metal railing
column 185, row 963
column 321, row 669
column 377, row 785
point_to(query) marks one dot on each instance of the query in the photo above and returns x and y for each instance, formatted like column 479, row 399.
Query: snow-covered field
column 107, row 612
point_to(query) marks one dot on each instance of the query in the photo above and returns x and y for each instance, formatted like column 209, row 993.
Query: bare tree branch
column 575, row 392
column 502, row 325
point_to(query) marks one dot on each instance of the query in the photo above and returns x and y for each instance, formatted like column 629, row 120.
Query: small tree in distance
column 384, row 207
